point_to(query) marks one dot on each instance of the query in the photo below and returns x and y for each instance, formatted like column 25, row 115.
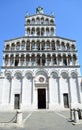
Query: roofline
column 27, row 16
column 41, row 37
column 65, row 38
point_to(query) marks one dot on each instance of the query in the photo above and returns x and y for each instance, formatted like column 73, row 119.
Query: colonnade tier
column 39, row 20
column 40, row 31
column 39, row 45
column 40, row 59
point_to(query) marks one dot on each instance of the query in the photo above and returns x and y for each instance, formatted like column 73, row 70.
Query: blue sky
column 68, row 17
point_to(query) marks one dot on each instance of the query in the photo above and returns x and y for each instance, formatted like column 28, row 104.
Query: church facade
column 40, row 70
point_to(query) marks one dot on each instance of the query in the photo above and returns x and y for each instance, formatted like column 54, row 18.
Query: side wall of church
column 1, row 89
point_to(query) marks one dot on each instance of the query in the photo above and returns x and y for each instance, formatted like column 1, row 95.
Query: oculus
column 41, row 79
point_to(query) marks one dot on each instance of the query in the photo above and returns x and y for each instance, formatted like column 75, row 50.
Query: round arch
column 74, row 74
column 42, row 72
column 18, row 75
column 54, row 75
column 64, row 74
column 8, row 75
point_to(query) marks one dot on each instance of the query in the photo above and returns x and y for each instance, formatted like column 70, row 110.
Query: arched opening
column 69, row 59
column 43, row 60
column 48, row 45
column 52, row 31
column 28, row 91
column 22, row 60
column 28, row 45
column 11, row 60
column 38, row 31
column 33, row 21
column 33, row 31
column 54, row 88
column 64, row 60
column 51, row 21
column 23, row 45
column 6, row 59
column 48, row 59
column 33, row 45
column 75, row 85
column 68, row 46
column 7, row 47
column 53, row 45
column 27, row 59
column 38, row 45
column 17, row 60
column 58, row 45
column 38, row 59
column 65, row 85
column 54, row 59
column 74, row 59
column 7, row 91
column 42, row 32
column 63, row 46
column 13, row 47
column 47, row 31
column 38, row 20
column 17, row 90
column 59, row 59
column 42, row 20
column 42, row 45
column 28, row 21
column 47, row 21
column 33, row 59
column 73, row 47
column 28, row 31
column 18, row 46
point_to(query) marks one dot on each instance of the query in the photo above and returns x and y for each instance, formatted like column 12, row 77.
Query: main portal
column 41, row 98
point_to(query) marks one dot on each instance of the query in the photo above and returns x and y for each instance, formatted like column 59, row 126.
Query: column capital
column 48, row 77
column 12, row 77
column 33, row 77
column 30, row 55
column 40, row 54
column 69, row 77
column 23, row 77
column 58, row 77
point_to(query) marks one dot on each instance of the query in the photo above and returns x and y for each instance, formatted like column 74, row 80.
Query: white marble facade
column 40, row 70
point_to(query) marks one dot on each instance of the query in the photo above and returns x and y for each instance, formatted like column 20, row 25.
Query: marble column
column 10, row 93
column 34, row 95
column 30, row 62
column 59, row 91
column 70, row 94
column 78, row 90
column 3, row 61
column 70, row 90
column 51, row 61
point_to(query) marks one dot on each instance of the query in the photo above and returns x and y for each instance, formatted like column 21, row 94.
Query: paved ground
column 40, row 120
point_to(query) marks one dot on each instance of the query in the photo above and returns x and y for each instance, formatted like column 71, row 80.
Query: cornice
column 38, row 37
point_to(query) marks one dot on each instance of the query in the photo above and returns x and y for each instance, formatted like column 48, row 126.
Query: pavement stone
column 41, row 120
